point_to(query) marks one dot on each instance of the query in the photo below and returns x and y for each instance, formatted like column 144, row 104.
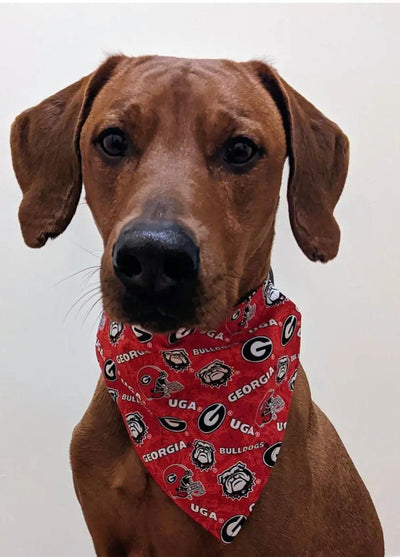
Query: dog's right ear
column 46, row 159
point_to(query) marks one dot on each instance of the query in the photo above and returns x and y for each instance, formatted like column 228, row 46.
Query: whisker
column 86, row 280
column 103, row 309
column 96, row 267
column 86, row 250
column 91, row 308
column 79, row 299
column 97, row 317
column 85, row 302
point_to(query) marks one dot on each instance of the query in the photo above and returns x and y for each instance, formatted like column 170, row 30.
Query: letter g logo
column 211, row 417
column 288, row 329
column 232, row 527
column 257, row 349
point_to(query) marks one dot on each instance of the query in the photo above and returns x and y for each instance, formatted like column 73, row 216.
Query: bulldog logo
column 272, row 296
column 153, row 383
column 114, row 331
column 215, row 374
column 269, row 408
column 179, row 483
column 203, row 455
column 237, row 481
column 137, row 427
column 176, row 359
column 282, row 368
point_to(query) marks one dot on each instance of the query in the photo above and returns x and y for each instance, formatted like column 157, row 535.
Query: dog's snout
column 151, row 257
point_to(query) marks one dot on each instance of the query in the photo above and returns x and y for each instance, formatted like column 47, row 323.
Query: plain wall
column 345, row 59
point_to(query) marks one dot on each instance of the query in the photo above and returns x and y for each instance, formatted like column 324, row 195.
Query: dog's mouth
column 199, row 303
column 197, row 306
column 160, row 314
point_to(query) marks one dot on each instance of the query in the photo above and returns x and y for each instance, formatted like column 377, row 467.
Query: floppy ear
column 318, row 154
column 46, row 159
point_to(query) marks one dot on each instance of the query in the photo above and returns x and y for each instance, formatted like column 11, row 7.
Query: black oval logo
column 141, row 334
column 257, row 349
column 173, row 424
column 211, row 418
column 288, row 329
column 171, row 478
column 235, row 315
column 292, row 381
column 271, row 454
column 232, row 527
column 146, row 379
column 110, row 370
column 178, row 335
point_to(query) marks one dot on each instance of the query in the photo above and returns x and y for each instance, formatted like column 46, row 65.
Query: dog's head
column 182, row 163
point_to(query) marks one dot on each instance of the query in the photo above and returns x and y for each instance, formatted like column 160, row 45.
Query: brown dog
column 166, row 144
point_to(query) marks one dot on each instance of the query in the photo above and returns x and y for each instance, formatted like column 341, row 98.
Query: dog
column 191, row 153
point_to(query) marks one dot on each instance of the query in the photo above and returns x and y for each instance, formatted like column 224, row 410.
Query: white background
column 345, row 59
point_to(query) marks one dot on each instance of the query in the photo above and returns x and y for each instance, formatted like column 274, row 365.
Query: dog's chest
column 125, row 508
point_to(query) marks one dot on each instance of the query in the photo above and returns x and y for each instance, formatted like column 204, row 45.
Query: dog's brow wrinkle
column 159, row 70
column 119, row 109
column 158, row 67
column 235, row 115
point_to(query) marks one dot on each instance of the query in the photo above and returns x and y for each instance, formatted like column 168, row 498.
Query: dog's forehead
column 181, row 81
column 176, row 72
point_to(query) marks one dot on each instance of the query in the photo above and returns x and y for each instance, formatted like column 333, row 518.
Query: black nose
column 151, row 257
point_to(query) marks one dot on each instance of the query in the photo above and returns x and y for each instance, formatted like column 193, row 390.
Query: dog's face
column 182, row 163
column 199, row 149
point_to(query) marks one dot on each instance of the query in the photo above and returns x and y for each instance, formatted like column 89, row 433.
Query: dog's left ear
column 46, row 159
column 318, row 154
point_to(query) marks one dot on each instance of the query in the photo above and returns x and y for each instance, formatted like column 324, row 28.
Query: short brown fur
column 180, row 112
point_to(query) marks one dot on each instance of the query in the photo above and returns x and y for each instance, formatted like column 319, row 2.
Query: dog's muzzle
column 158, row 263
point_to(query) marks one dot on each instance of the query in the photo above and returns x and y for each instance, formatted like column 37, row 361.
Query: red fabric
column 207, row 411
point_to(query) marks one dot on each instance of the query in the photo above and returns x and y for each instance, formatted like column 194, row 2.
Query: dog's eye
column 240, row 151
column 113, row 142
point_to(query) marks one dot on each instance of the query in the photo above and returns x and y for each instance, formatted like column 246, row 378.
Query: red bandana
column 206, row 411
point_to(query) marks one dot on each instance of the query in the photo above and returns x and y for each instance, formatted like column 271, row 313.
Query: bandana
column 206, row 410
